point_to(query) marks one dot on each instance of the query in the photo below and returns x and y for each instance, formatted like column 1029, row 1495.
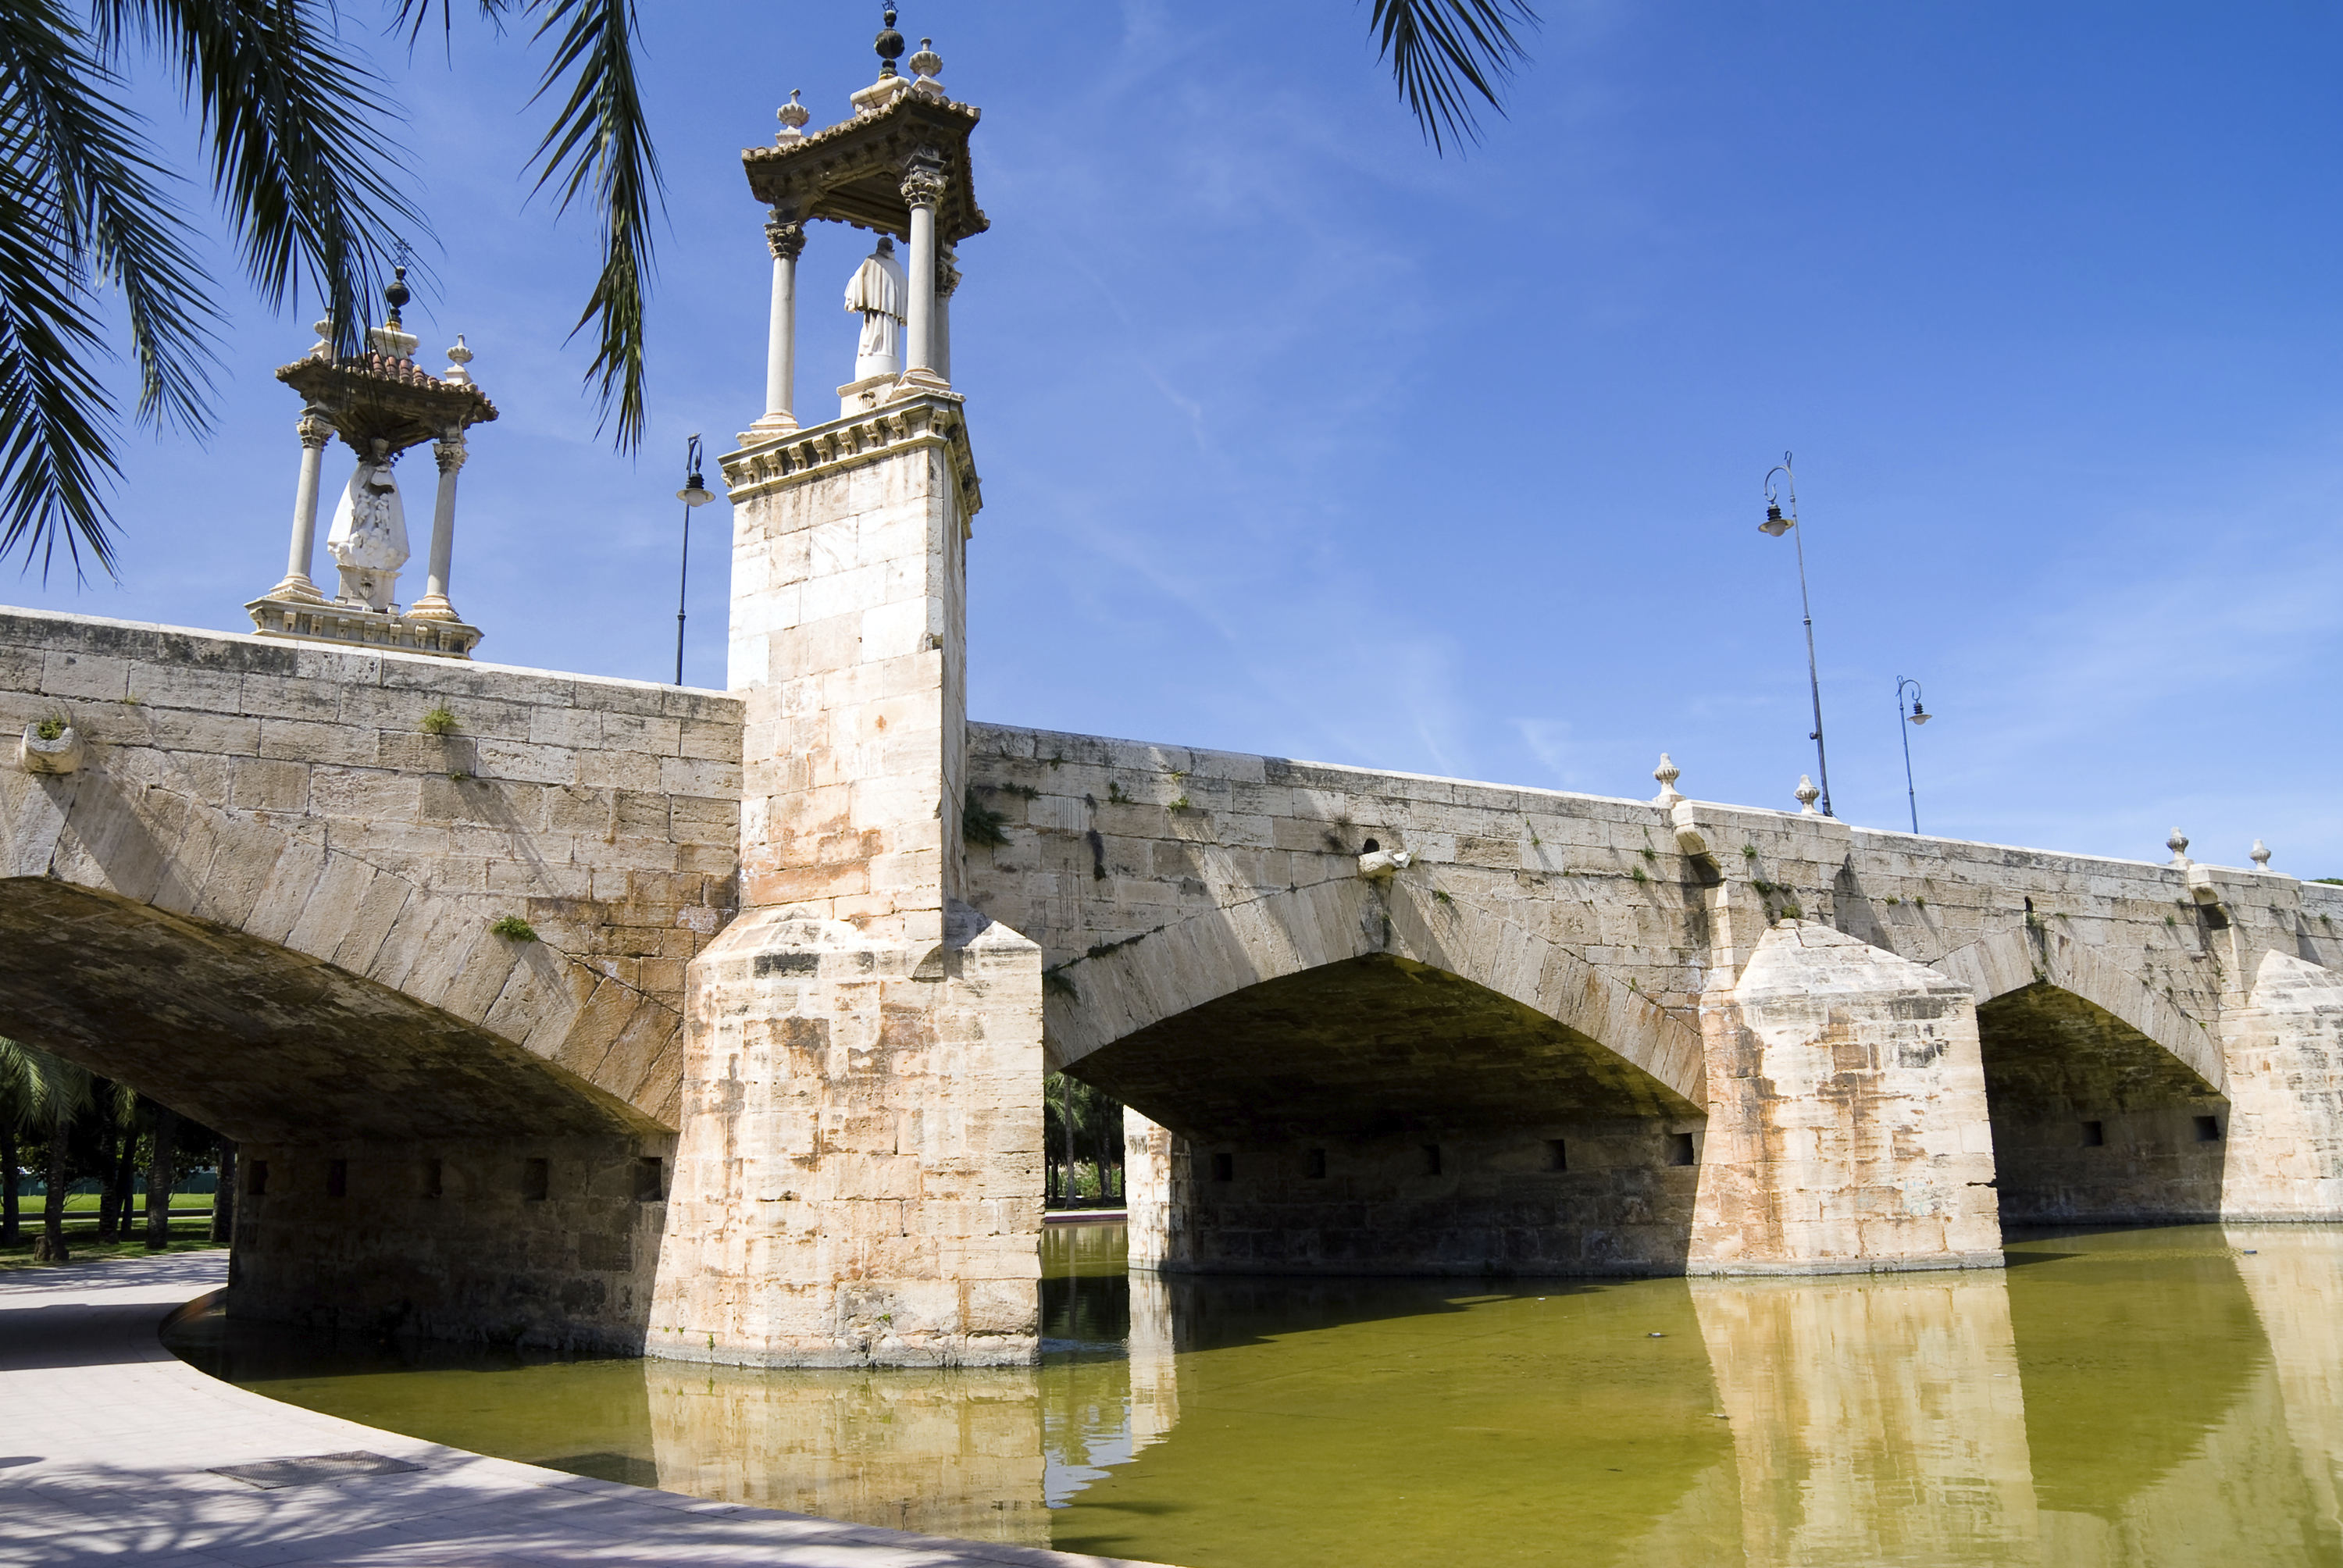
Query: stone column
column 947, row 281
column 858, row 1179
column 315, row 430
column 1158, row 1190
column 1847, row 1128
column 786, row 238
column 433, row 605
column 924, row 188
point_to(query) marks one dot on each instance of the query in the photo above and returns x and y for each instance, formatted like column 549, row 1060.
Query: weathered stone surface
column 529, row 1239
column 266, row 900
column 1848, row 1122
column 1638, row 1035
column 859, row 1178
column 860, row 1171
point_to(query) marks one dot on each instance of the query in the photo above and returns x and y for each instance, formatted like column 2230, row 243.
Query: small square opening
column 1314, row 1164
column 2208, row 1130
column 535, row 1180
column 435, row 1179
column 1557, row 1158
column 2095, row 1135
column 256, row 1177
column 1224, row 1167
column 1431, row 1159
column 337, row 1177
column 1680, row 1149
column 650, row 1178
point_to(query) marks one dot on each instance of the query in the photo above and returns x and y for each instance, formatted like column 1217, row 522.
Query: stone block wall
column 605, row 813
column 545, row 1242
column 1848, row 1122
column 859, row 1176
column 1595, row 1197
column 1118, row 849
column 849, row 647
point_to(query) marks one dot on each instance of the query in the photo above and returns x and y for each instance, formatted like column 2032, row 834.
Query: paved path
column 108, row 1441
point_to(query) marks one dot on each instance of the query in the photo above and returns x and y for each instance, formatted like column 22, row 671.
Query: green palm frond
column 1444, row 53
column 598, row 149
column 81, row 206
column 39, row 1088
column 301, row 167
column 299, row 170
column 600, row 142
column 56, row 453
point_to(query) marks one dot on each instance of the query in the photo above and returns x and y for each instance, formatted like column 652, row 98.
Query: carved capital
column 450, row 450
column 923, row 178
column 786, row 238
column 946, row 271
column 313, row 428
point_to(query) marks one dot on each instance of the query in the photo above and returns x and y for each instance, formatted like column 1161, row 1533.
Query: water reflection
column 1874, row 1419
column 2166, row 1397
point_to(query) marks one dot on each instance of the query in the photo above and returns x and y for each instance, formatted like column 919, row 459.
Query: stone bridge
column 586, row 1011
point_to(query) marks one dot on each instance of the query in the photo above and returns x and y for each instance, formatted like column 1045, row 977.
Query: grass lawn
column 187, row 1236
column 87, row 1202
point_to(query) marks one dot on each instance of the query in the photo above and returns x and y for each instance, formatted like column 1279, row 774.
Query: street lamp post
column 1918, row 715
column 693, row 495
column 1777, row 525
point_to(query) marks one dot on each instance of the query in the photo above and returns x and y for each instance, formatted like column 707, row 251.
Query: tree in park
column 46, row 1094
column 303, row 174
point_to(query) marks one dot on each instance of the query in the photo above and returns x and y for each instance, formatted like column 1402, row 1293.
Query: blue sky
column 1297, row 438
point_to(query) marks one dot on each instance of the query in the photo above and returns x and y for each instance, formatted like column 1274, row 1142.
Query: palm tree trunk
column 121, row 1147
column 125, row 1174
column 158, row 1179
column 224, row 1197
column 11, row 1221
column 52, row 1247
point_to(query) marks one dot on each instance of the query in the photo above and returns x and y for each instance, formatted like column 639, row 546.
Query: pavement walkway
column 108, row 1444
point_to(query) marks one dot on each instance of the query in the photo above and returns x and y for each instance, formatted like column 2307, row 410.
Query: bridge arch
column 439, row 1128
column 1120, row 989
column 2107, row 1103
column 1357, row 1078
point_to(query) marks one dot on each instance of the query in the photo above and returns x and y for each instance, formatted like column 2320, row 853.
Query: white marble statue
column 368, row 539
column 877, row 291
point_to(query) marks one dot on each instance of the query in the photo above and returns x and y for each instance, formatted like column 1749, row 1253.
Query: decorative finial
column 2178, row 845
column 396, row 295
column 889, row 46
column 1667, row 773
column 458, row 358
column 324, row 347
column 926, row 63
column 2260, row 856
column 793, row 117
column 1807, row 795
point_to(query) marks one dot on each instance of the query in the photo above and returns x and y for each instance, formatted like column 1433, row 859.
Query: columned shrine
column 381, row 406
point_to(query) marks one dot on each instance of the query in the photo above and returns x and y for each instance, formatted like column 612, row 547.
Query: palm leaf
column 40, row 1087
column 83, row 205
column 111, row 198
column 598, row 148
column 300, row 164
column 600, row 143
column 55, row 451
column 1444, row 53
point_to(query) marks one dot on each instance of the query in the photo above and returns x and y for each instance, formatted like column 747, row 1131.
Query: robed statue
column 878, row 291
column 368, row 539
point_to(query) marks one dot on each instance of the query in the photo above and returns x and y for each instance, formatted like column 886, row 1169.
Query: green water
column 2170, row 1396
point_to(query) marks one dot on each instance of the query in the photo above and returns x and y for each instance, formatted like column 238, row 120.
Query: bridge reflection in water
column 2166, row 1397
